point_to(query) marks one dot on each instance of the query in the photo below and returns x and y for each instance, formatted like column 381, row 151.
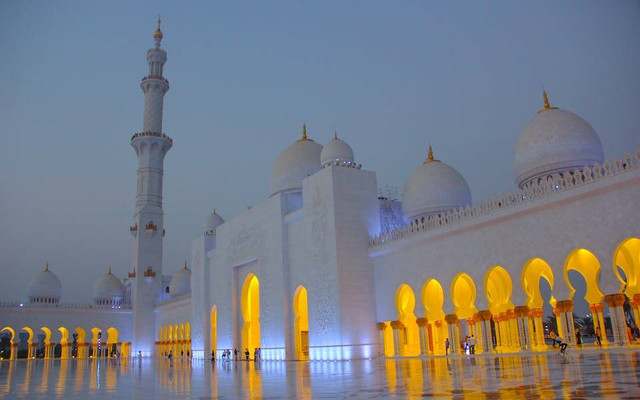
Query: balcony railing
column 153, row 134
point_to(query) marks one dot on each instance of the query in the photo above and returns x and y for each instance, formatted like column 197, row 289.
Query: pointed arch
column 214, row 327
column 301, row 323
column 586, row 263
column 405, row 305
column 533, row 270
column 463, row 295
column 498, row 288
column 433, row 300
column 627, row 258
column 250, row 302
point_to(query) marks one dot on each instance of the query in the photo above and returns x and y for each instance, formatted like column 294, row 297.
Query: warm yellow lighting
column 532, row 272
column 410, row 337
column 463, row 294
column 584, row 262
column 251, row 314
column 301, row 323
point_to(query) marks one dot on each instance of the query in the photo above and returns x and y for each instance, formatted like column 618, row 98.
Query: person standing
column 578, row 338
column 235, row 354
column 472, row 344
column 446, row 347
column 598, row 336
column 553, row 337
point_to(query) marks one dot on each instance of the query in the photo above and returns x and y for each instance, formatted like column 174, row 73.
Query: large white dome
column 108, row 290
column 45, row 287
column 180, row 282
column 434, row 188
column 336, row 150
column 212, row 222
column 553, row 141
column 298, row 161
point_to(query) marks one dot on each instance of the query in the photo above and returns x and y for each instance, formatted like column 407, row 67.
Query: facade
column 327, row 267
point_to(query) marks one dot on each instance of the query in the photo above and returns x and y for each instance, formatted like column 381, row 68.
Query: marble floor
column 612, row 373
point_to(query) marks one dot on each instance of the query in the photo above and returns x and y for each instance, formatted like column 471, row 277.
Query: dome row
column 553, row 141
column 46, row 288
column 304, row 158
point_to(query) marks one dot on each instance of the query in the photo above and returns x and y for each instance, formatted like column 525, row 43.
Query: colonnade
column 174, row 339
column 507, row 327
column 69, row 348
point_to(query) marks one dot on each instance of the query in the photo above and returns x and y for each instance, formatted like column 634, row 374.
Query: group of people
column 468, row 345
column 227, row 355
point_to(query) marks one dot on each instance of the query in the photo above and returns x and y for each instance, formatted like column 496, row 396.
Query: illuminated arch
column 64, row 342
column 584, row 262
column 214, row 327
column 82, row 335
column 627, row 258
column 47, row 335
column 463, row 295
column 498, row 288
column 433, row 300
column 405, row 304
column 301, row 323
column 112, row 335
column 11, row 331
column 533, row 270
column 250, row 302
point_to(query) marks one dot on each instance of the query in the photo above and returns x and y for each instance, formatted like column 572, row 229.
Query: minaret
column 151, row 145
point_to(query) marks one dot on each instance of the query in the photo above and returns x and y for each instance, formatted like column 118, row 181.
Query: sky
column 390, row 77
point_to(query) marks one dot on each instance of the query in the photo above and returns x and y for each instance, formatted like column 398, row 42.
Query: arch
column 533, row 270
column 29, row 333
column 82, row 335
column 64, row 342
column 627, row 258
column 47, row 335
column 463, row 295
column 250, row 302
column 433, row 300
column 498, row 288
column 301, row 323
column 11, row 331
column 586, row 263
column 112, row 335
column 406, row 304
column 214, row 327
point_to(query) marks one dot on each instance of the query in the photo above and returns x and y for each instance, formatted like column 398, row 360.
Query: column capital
column 483, row 315
column 397, row 325
column 451, row 318
column 422, row 321
column 636, row 298
column 521, row 311
column 536, row 312
column 564, row 305
column 381, row 326
column 615, row 300
column 438, row 324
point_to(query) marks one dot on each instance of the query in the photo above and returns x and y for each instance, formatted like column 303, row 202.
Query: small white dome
column 336, row 150
column 180, row 282
column 108, row 290
column 434, row 188
column 45, row 287
column 553, row 141
column 298, row 161
column 212, row 222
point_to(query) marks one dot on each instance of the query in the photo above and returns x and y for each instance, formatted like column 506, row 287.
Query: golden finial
column 430, row 156
column 547, row 106
column 304, row 134
column 185, row 265
column 110, row 270
column 46, row 267
column 335, row 135
column 158, row 33
column 214, row 210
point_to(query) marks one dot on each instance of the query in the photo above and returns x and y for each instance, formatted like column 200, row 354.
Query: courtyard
column 588, row 373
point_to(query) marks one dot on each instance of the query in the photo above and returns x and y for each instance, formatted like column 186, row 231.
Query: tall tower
column 151, row 145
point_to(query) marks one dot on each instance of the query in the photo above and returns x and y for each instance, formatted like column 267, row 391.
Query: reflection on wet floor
column 587, row 374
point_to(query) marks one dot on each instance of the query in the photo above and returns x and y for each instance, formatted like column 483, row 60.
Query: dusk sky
column 390, row 77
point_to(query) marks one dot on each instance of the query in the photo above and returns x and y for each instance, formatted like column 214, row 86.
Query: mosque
column 326, row 267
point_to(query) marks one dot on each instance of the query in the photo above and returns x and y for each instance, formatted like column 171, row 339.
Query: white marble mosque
column 327, row 268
